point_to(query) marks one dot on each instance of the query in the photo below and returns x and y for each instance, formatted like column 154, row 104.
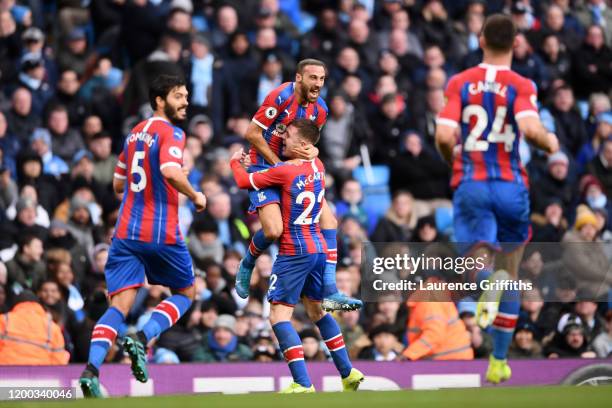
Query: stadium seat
column 375, row 185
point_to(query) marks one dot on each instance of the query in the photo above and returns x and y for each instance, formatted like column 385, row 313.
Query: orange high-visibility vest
column 436, row 332
column 29, row 336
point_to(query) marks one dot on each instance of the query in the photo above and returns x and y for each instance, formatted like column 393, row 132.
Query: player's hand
column 306, row 153
column 199, row 201
column 238, row 154
column 553, row 143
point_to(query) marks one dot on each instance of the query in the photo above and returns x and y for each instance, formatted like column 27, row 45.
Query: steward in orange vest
column 29, row 336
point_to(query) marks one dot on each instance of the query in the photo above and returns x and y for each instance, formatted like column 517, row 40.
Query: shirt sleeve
column 451, row 113
column 121, row 167
column 274, row 176
column 171, row 148
column 269, row 109
column 526, row 102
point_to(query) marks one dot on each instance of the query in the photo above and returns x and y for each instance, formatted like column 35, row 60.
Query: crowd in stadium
column 73, row 80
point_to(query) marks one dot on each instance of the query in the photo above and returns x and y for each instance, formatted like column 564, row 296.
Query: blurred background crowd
column 73, row 80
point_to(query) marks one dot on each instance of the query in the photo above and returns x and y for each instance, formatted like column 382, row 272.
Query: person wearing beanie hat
column 221, row 343
column 586, row 223
column 41, row 144
column 583, row 254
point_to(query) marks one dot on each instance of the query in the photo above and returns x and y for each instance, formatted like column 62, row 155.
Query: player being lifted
column 300, row 266
column 147, row 240
column 291, row 100
column 490, row 106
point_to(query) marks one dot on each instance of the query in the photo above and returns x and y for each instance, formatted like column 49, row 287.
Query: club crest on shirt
column 281, row 128
column 261, row 196
column 313, row 117
column 271, row 112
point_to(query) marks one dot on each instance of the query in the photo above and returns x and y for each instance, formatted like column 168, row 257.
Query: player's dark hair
column 307, row 130
column 162, row 85
column 499, row 32
column 310, row 61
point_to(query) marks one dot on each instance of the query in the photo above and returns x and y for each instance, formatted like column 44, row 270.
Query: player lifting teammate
column 290, row 101
column 490, row 106
column 147, row 240
column 300, row 266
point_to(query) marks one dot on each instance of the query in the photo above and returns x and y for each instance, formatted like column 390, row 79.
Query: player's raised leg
column 102, row 338
column 331, row 334
column 334, row 300
column 164, row 316
column 291, row 347
column 271, row 230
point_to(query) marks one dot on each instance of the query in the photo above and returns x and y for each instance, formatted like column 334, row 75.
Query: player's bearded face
column 311, row 81
column 175, row 107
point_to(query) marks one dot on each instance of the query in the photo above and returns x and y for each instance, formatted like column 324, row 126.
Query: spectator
column 103, row 159
column 586, row 262
column 226, row 26
column 550, row 226
column 26, row 218
column 601, row 166
column 419, row 171
column 323, row 41
column 41, row 144
column 554, row 23
column 29, row 192
column 26, row 270
column 569, row 125
column 312, row 345
column 32, row 76
column 586, row 309
column 350, row 202
column 221, row 343
column 397, row 224
column 342, row 137
column 385, row 346
column 524, row 345
column 569, row 341
column 481, row 341
column 80, row 223
column 603, row 130
column 602, row 344
column 67, row 94
column 596, row 13
column 233, row 232
column 556, row 61
column 21, row 118
column 526, row 62
column 30, row 336
column 554, row 185
column 183, row 339
column 65, row 141
column 388, row 123
column 9, row 145
column 353, row 333
column 592, row 63
column 29, row 171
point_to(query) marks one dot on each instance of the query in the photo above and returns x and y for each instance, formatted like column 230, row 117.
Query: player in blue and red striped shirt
column 299, row 268
column 147, row 240
column 290, row 101
column 488, row 108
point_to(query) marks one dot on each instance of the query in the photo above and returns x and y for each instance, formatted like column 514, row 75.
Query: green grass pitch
column 554, row 397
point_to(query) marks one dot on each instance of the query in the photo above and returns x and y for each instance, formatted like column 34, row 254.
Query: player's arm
column 171, row 167
column 267, row 178
column 120, row 174
column 265, row 117
column 447, row 123
column 254, row 136
column 528, row 119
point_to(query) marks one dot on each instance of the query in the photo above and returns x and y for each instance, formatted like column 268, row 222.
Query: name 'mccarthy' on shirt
column 302, row 194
